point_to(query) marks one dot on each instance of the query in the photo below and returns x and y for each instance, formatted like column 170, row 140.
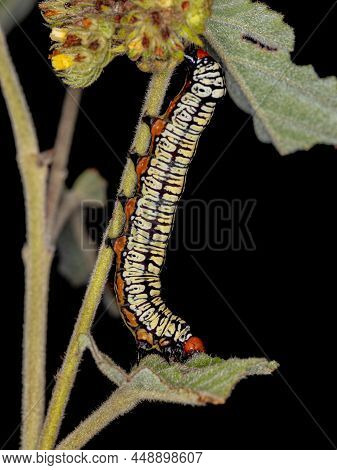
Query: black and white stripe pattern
column 159, row 190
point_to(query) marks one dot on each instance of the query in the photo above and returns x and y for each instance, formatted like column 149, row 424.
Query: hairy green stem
column 36, row 255
column 123, row 400
column 68, row 371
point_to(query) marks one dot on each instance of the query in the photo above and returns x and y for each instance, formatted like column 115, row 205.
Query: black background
column 283, row 292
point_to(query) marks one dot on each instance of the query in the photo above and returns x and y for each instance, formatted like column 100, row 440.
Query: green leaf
column 75, row 262
column 202, row 379
column 90, row 188
column 14, row 11
column 255, row 20
column 291, row 106
column 77, row 254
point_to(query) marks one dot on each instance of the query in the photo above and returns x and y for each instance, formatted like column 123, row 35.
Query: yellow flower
column 58, row 34
column 62, row 61
column 136, row 47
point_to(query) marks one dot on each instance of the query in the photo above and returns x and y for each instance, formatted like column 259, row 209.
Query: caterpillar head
column 193, row 345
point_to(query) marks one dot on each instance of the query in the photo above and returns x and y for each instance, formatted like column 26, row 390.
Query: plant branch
column 64, row 138
column 35, row 254
column 70, row 202
column 123, row 400
column 200, row 380
column 120, row 402
column 67, row 374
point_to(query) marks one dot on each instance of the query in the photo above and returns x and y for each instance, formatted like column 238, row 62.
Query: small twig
column 36, row 255
column 121, row 401
column 67, row 374
column 64, row 138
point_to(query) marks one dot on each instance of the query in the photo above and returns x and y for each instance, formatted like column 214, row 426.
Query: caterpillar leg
column 142, row 350
column 148, row 120
column 116, row 244
column 174, row 353
column 109, row 242
column 169, row 354
column 146, row 345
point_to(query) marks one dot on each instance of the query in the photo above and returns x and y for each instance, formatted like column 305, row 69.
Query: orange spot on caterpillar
column 185, row 5
column 130, row 318
column 143, row 335
column 119, row 287
column 119, row 245
column 130, row 208
column 142, row 166
column 157, row 127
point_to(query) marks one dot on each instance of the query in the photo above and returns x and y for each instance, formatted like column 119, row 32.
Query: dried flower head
column 84, row 38
column 157, row 31
column 88, row 34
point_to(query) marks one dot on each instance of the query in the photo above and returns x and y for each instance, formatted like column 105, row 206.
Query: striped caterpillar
column 141, row 249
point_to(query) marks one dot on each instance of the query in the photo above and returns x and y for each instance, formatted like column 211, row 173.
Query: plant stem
column 67, row 374
column 123, row 400
column 35, row 254
column 64, row 138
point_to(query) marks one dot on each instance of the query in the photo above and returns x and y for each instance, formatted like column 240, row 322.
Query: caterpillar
column 149, row 214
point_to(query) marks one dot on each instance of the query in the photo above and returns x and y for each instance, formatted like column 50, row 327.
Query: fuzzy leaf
column 13, row 11
column 202, row 379
column 292, row 107
column 90, row 187
column 76, row 260
column 255, row 20
column 75, row 263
